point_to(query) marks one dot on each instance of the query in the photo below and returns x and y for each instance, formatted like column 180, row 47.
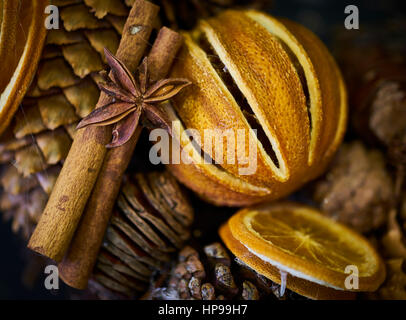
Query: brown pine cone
column 151, row 221
column 23, row 210
column 388, row 112
column 393, row 242
column 374, row 65
column 357, row 190
column 394, row 288
column 213, row 275
column 64, row 90
column 403, row 213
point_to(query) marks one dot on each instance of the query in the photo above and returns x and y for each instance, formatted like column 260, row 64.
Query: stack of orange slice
column 22, row 35
column 304, row 251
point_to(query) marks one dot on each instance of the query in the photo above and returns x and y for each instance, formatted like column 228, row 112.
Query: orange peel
column 9, row 10
column 28, row 38
column 312, row 249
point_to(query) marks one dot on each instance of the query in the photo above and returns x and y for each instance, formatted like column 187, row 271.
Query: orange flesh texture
column 302, row 239
column 301, row 286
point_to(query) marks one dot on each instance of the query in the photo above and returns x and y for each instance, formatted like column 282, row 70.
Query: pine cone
column 357, row 191
column 374, row 65
column 393, row 242
column 212, row 275
column 151, row 221
column 394, row 288
column 388, row 112
column 63, row 90
column 32, row 151
column 403, row 213
column 24, row 210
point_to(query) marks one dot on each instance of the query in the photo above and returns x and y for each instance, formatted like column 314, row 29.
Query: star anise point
column 132, row 99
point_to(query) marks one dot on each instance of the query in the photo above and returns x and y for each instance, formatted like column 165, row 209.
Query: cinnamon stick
column 78, row 264
column 62, row 213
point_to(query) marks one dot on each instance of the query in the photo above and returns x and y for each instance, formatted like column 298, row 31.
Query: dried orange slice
column 301, row 286
column 20, row 51
column 312, row 249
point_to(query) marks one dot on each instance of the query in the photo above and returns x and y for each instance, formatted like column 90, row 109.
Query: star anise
column 132, row 99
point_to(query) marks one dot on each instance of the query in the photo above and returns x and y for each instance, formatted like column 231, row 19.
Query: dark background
column 325, row 18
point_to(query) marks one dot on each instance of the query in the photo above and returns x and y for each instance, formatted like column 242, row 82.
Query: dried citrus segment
column 301, row 286
column 301, row 241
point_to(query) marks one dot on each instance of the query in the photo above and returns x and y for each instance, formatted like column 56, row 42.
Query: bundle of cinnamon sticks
column 73, row 224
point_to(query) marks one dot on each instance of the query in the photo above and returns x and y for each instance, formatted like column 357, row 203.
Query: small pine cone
column 63, row 90
column 357, row 191
column 374, row 65
column 249, row 291
column 394, row 287
column 393, row 242
column 23, row 210
column 151, row 221
column 213, row 276
column 403, row 213
column 388, row 112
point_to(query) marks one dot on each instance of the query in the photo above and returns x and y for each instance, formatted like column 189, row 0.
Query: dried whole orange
column 321, row 257
column 252, row 71
column 22, row 37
